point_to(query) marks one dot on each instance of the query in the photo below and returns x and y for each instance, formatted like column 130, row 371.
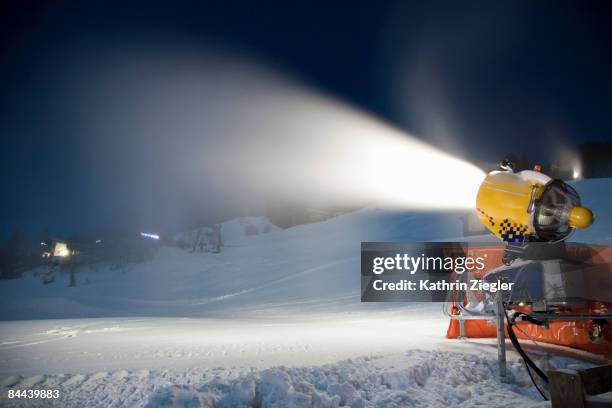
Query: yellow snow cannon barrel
column 529, row 206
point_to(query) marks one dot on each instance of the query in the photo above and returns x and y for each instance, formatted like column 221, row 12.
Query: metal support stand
column 462, row 329
column 501, row 335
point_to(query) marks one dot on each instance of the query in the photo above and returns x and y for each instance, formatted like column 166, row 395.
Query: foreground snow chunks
column 274, row 387
column 414, row 378
column 10, row 381
column 347, row 393
column 418, row 378
column 317, row 399
column 402, row 379
column 177, row 396
column 245, row 391
column 281, row 387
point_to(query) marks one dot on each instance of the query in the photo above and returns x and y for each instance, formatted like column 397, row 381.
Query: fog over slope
column 307, row 268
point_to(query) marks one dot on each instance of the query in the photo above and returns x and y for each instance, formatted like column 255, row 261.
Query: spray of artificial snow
column 198, row 121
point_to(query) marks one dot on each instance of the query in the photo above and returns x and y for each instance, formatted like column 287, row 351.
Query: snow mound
column 236, row 230
column 232, row 232
column 415, row 378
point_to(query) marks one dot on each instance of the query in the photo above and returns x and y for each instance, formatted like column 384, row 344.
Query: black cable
column 528, row 361
column 534, row 382
column 519, row 349
column 527, row 367
column 529, row 318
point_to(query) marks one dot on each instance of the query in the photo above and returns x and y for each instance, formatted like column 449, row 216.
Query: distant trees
column 118, row 252
column 72, row 277
column 217, row 241
column 115, row 249
column 13, row 255
column 45, row 236
column 6, row 262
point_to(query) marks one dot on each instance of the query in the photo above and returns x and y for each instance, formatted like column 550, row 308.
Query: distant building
column 57, row 250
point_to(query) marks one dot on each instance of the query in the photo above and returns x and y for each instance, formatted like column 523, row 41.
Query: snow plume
column 295, row 141
column 186, row 130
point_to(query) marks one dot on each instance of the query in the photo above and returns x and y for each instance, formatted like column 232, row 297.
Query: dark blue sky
column 477, row 78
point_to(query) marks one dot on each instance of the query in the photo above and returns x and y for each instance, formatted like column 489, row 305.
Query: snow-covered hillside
column 308, row 268
column 274, row 319
column 229, row 232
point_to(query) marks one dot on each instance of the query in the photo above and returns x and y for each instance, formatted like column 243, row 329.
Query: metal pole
column 501, row 335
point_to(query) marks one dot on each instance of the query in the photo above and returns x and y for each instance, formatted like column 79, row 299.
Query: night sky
column 479, row 79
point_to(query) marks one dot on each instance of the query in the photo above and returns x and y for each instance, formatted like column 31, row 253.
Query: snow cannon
column 529, row 206
column 559, row 292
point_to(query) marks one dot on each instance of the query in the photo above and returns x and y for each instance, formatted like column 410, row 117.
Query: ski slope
column 308, row 268
column 273, row 320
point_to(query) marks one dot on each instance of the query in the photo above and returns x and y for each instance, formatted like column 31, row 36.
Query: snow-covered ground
column 230, row 232
column 388, row 358
column 272, row 320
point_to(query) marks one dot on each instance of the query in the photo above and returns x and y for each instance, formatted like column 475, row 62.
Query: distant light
column 576, row 173
column 98, row 241
column 43, row 244
column 61, row 250
column 147, row 235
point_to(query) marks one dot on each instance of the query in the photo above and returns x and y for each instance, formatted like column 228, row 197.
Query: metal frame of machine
column 561, row 293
